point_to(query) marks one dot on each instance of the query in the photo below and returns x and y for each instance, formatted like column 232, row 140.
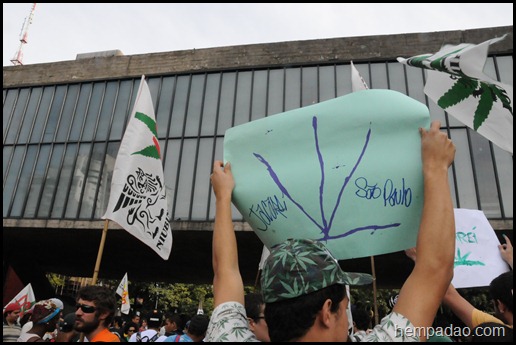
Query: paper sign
column 346, row 171
column 477, row 257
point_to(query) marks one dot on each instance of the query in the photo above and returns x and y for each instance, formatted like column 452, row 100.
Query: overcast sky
column 61, row 31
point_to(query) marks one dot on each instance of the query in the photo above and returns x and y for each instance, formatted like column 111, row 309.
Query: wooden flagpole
column 376, row 321
column 97, row 264
column 99, row 254
column 257, row 279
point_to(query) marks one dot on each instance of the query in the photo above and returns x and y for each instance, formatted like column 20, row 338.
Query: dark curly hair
column 501, row 289
column 290, row 319
column 103, row 298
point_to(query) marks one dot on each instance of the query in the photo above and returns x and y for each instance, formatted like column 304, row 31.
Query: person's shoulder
column 106, row 336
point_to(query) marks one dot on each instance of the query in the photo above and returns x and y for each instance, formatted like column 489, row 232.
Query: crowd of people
column 303, row 294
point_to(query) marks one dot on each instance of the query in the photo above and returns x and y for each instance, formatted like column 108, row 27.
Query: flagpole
column 374, row 292
column 99, row 255
column 256, row 280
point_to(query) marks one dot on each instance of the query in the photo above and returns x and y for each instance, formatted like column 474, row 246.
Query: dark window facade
column 60, row 141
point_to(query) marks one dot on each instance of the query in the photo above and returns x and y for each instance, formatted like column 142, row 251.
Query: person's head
column 489, row 332
column 361, row 317
column 500, row 291
column 45, row 315
column 304, row 290
column 173, row 324
column 254, row 309
column 198, row 326
column 154, row 320
column 130, row 328
column 118, row 321
column 136, row 318
column 66, row 325
column 66, row 331
column 96, row 306
column 12, row 312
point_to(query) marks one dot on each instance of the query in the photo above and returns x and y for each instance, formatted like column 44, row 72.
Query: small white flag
column 357, row 82
column 457, row 83
column 138, row 202
column 200, row 311
column 123, row 291
column 25, row 298
column 265, row 255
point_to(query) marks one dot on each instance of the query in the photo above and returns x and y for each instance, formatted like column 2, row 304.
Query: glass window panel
column 9, row 102
column 52, row 177
column 310, row 86
column 211, row 99
column 226, row 104
column 41, row 116
column 416, row 84
column 211, row 212
column 80, row 112
column 275, row 101
column 7, row 151
column 243, row 98
column 179, row 110
column 489, row 201
column 259, row 99
column 202, row 180
column 326, row 83
column 505, row 170
column 37, row 182
column 28, row 120
column 378, row 76
column 19, row 112
column 164, row 108
column 193, row 117
column 170, row 170
column 63, row 184
column 78, row 179
column 505, row 69
column 397, row 77
column 22, row 186
column 107, row 178
column 10, row 182
column 92, row 113
column 154, row 88
column 92, row 181
column 184, row 195
column 292, row 88
column 489, row 68
column 343, row 80
column 121, row 110
column 106, row 111
column 54, row 114
column 68, row 112
column 464, row 171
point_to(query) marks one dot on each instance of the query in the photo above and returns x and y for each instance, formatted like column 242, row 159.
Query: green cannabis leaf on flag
column 457, row 83
column 486, row 93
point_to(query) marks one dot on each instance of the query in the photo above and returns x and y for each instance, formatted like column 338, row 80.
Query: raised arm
column 424, row 289
column 506, row 250
column 227, row 281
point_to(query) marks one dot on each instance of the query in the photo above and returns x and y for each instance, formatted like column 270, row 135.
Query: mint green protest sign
column 345, row 171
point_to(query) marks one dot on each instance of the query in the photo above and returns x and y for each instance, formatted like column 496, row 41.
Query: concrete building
column 63, row 123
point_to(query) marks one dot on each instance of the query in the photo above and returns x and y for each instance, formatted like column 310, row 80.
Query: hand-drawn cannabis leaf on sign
column 463, row 260
column 326, row 225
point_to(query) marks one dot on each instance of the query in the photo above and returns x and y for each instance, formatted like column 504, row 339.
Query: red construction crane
column 18, row 56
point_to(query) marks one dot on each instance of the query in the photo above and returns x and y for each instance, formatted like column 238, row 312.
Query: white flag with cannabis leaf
column 457, row 83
